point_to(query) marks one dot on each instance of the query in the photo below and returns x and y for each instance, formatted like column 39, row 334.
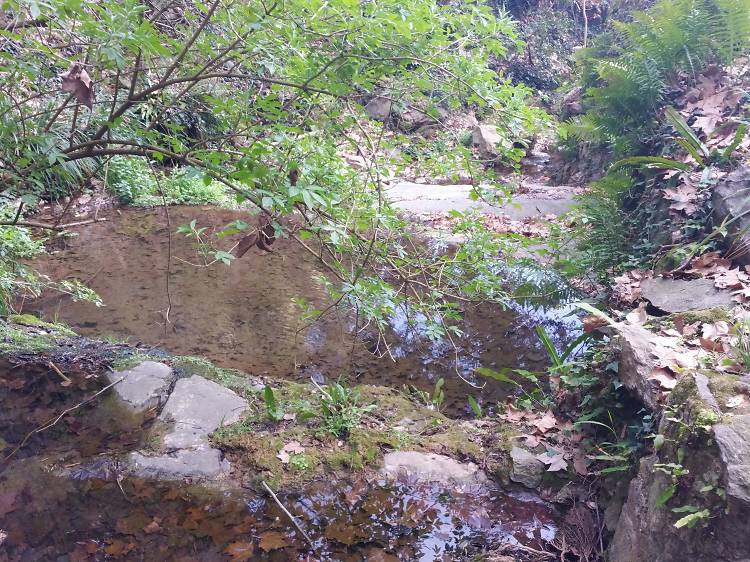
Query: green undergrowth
column 25, row 333
column 137, row 183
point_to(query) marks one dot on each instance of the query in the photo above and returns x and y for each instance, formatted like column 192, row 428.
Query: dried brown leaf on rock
column 638, row 315
column 240, row 551
column 592, row 322
column 664, row 378
column 554, row 459
column 731, row 279
column 684, row 198
column 546, row 422
column 291, row 448
column 709, row 264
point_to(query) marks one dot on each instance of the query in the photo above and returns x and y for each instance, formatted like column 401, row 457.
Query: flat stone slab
column 196, row 408
column 430, row 467
column 682, row 295
column 425, row 198
column 145, row 386
column 204, row 463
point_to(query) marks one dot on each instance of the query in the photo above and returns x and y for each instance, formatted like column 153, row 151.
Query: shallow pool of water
column 244, row 316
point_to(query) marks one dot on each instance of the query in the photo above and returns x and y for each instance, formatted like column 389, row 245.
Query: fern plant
column 627, row 84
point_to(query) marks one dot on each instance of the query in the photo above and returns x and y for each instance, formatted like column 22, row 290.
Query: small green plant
column 740, row 344
column 273, row 409
column 340, row 408
column 474, row 405
column 299, row 463
column 432, row 401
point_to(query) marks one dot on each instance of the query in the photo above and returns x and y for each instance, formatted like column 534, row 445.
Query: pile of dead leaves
column 555, row 440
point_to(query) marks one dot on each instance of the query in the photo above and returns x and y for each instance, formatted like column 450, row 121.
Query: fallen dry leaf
column 273, row 540
column 240, row 551
column 666, row 380
column 735, row 401
column 291, row 448
column 555, row 460
column 546, row 422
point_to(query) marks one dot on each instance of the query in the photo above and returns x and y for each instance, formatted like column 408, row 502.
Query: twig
column 66, row 380
column 291, row 517
column 53, row 421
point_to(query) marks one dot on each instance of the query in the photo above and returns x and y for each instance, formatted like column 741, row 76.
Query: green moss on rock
column 28, row 334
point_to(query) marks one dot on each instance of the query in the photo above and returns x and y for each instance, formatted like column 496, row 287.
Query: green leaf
column 697, row 148
column 475, row 407
column 656, row 162
column 666, row 495
column 692, row 519
column 497, row 375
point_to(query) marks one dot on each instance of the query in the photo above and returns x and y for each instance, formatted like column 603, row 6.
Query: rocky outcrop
column 731, row 201
column 143, row 387
column 379, row 108
column 705, row 463
column 407, row 119
column 683, row 295
column 196, row 408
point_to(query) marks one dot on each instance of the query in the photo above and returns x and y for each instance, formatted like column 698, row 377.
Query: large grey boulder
column 526, row 468
column 486, row 139
column 430, row 467
column 682, row 295
column 731, row 201
column 143, row 387
column 196, row 408
column 714, row 448
column 426, row 198
column 379, row 108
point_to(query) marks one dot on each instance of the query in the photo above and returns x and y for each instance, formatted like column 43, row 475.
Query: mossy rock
column 25, row 333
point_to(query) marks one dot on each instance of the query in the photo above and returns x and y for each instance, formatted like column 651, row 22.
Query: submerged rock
column 683, row 295
column 430, row 467
column 731, row 201
column 527, row 469
column 145, row 386
column 196, row 408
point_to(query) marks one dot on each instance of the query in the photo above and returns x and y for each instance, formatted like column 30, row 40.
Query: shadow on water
column 244, row 317
column 63, row 498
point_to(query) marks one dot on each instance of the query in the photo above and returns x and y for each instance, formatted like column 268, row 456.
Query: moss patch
column 235, row 380
column 28, row 334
